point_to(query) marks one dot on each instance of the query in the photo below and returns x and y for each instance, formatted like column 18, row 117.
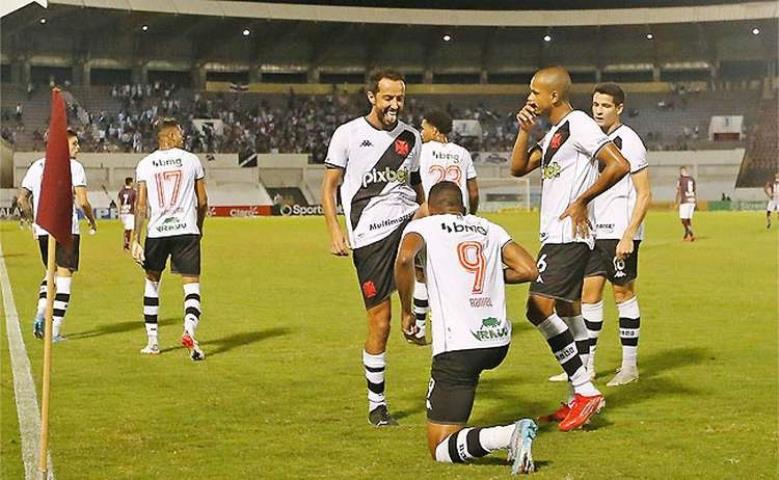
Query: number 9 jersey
column 170, row 177
column 464, row 271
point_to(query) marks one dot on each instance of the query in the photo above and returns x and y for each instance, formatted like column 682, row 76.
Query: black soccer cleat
column 380, row 417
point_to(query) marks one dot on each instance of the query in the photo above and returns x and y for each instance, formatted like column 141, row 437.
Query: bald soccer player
column 569, row 156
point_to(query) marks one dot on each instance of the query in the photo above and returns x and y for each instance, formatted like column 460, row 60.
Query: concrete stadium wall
column 229, row 184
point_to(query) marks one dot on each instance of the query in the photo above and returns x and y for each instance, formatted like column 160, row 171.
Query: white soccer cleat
column 623, row 377
column 151, row 349
column 560, row 377
column 520, row 449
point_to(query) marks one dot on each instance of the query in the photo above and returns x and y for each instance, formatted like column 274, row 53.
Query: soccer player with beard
column 375, row 158
column 568, row 155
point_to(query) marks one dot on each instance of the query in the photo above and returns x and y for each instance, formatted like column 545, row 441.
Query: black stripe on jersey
column 390, row 159
column 558, row 139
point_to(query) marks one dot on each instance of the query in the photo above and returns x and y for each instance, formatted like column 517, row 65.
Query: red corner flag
column 55, row 207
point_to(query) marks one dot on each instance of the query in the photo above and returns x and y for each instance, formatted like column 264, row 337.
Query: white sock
column 560, row 340
column 61, row 300
column 421, row 307
column 151, row 308
column 593, row 320
column 191, row 307
column 374, row 373
column 629, row 328
column 41, row 311
column 580, row 336
column 470, row 443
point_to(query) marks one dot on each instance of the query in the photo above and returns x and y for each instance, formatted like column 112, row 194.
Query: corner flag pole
column 55, row 211
column 43, row 465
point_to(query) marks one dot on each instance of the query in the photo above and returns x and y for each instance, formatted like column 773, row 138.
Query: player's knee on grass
column 437, row 433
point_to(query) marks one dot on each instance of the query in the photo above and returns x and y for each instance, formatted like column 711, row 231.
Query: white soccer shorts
column 128, row 220
column 772, row 206
column 686, row 210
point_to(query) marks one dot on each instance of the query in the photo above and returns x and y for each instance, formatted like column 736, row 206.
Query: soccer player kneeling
column 464, row 255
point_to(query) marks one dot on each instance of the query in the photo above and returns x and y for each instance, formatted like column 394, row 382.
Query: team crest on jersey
column 369, row 289
column 557, row 140
column 402, row 147
column 491, row 329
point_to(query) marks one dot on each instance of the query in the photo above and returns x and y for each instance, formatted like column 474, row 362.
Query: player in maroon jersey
column 126, row 199
column 685, row 198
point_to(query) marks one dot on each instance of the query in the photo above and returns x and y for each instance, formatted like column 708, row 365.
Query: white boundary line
column 24, row 388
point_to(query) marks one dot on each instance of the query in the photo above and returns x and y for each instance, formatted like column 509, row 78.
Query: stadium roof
column 510, row 4
column 452, row 17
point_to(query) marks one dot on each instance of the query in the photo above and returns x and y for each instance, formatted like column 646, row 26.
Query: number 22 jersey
column 170, row 177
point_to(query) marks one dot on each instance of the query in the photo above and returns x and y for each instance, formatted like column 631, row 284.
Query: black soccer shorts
column 65, row 257
column 561, row 271
column 183, row 250
column 375, row 264
column 453, row 380
column 604, row 262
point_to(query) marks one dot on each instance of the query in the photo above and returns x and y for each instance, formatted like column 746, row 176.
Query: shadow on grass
column 120, row 327
column 650, row 385
column 225, row 344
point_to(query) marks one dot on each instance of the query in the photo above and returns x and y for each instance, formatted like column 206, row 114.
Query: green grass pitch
column 282, row 393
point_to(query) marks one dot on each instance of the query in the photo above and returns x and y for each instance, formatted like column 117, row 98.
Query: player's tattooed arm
column 83, row 203
column 202, row 203
column 643, row 199
column 410, row 246
column 522, row 160
column 521, row 266
column 141, row 201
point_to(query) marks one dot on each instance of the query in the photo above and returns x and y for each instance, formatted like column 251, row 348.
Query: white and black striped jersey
column 464, row 274
column 376, row 191
column 170, row 177
column 33, row 180
column 614, row 207
column 446, row 161
column 568, row 169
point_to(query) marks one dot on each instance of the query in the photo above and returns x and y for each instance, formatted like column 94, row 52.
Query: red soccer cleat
column 558, row 415
column 582, row 410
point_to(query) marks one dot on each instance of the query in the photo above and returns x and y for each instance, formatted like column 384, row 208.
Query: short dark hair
column 128, row 180
column 440, row 120
column 612, row 89
column 69, row 132
column 446, row 194
column 379, row 75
